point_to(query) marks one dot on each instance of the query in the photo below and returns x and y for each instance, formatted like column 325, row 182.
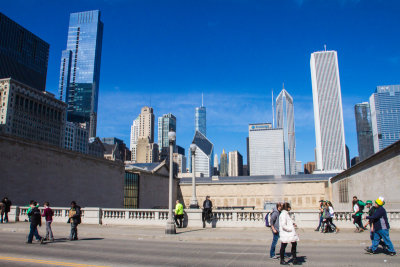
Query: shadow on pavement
column 194, row 230
column 91, row 238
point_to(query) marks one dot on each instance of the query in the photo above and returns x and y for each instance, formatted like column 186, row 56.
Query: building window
column 343, row 191
column 131, row 190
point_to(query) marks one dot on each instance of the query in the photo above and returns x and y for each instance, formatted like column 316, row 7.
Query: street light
column 170, row 229
column 193, row 202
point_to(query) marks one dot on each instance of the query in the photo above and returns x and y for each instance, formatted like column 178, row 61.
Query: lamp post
column 193, row 202
column 170, row 229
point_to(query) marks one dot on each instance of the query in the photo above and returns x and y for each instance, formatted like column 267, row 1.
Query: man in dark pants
column 36, row 219
column 275, row 229
column 207, row 211
column 74, row 220
column 7, row 203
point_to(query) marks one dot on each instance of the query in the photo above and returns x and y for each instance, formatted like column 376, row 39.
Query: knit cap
column 368, row 202
column 380, row 201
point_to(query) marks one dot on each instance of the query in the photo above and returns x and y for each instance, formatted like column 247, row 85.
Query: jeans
column 33, row 232
column 275, row 239
column 382, row 234
column 49, row 232
column 320, row 221
column 74, row 231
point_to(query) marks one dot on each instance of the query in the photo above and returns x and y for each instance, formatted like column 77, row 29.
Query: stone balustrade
column 193, row 217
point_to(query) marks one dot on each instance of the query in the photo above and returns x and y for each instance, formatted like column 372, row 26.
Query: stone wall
column 377, row 176
column 33, row 171
column 302, row 195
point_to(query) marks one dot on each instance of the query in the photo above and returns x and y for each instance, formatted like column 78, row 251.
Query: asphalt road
column 109, row 251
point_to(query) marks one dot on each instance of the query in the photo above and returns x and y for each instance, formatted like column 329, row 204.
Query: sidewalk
column 217, row 235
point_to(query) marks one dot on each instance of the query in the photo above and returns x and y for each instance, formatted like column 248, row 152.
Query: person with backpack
column 287, row 233
column 272, row 220
column 358, row 207
column 48, row 214
column 381, row 228
column 36, row 220
column 74, row 216
column 207, row 211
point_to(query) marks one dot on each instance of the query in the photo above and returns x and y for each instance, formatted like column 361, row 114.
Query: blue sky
column 236, row 51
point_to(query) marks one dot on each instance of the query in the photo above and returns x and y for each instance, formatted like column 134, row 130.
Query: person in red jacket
column 48, row 214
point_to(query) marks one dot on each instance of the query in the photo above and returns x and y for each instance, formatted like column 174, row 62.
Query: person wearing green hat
column 380, row 228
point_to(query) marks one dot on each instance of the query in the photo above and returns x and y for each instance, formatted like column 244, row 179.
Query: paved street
column 148, row 246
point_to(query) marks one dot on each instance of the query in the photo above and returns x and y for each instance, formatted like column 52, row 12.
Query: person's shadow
column 300, row 260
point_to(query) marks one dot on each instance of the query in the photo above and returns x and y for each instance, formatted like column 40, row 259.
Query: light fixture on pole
column 170, row 229
column 193, row 202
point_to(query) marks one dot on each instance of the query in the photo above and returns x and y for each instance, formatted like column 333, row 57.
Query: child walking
column 48, row 214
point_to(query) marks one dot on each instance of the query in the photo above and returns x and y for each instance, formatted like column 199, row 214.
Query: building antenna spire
column 202, row 100
column 325, row 47
column 273, row 109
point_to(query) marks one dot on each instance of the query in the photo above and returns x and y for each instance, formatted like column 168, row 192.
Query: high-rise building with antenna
column 201, row 118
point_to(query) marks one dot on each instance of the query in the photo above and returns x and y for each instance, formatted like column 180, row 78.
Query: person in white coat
column 287, row 234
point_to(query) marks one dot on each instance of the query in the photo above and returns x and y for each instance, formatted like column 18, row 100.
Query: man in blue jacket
column 380, row 228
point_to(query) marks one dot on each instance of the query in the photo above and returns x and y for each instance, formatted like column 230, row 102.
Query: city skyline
column 234, row 96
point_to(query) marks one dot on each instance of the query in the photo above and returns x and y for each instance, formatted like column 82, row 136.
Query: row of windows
column 37, row 109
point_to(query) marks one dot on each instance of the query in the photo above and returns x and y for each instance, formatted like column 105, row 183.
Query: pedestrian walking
column 358, row 207
column 321, row 212
column 48, row 215
column 380, row 228
column 179, row 214
column 74, row 216
column 207, row 211
column 371, row 211
column 287, row 234
column 331, row 212
column 2, row 210
column 7, row 203
column 36, row 220
column 274, row 222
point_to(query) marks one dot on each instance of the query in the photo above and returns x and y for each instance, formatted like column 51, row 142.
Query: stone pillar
column 92, row 216
column 13, row 215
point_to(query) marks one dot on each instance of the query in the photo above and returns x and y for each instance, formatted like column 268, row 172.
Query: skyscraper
column 166, row 123
column 364, row 130
column 235, row 165
column 201, row 119
column 146, row 126
column 385, row 116
column 285, row 120
column 328, row 112
column 146, row 151
column 204, row 155
column 266, row 147
column 223, row 170
column 134, row 137
column 23, row 55
column 80, row 68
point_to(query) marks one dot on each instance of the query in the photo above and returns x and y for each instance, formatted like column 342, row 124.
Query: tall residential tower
column 328, row 112
column 80, row 68
column 364, row 130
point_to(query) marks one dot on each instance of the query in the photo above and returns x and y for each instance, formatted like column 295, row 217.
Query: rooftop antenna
column 273, row 110
column 325, row 46
column 202, row 100
column 150, row 100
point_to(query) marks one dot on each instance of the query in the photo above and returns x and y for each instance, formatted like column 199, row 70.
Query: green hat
column 368, row 202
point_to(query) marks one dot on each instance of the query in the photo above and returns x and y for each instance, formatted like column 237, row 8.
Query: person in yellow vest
column 179, row 214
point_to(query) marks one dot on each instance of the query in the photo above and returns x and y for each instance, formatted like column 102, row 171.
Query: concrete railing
column 193, row 217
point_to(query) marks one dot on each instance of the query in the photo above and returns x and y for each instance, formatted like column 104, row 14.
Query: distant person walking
column 179, row 214
column 321, row 212
column 276, row 211
column 371, row 211
column 380, row 228
column 7, row 204
column 48, row 214
column 74, row 219
column 358, row 207
column 36, row 220
column 287, row 234
column 207, row 211
column 2, row 210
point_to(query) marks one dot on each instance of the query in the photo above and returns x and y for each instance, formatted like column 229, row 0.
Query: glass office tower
column 166, row 123
column 285, row 120
column 201, row 120
column 385, row 116
column 23, row 55
column 80, row 68
column 364, row 130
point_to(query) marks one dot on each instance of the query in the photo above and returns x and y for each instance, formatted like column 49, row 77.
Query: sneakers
column 316, row 230
column 369, row 251
column 392, row 253
column 274, row 257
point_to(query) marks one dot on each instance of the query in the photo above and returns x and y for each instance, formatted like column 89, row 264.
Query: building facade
column 285, row 120
column 80, row 68
column 96, row 147
column 223, row 170
column 23, row 55
column 299, row 167
column 124, row 152
column 180, row 162
column 204, row 155
column 309, row 167
column 31, row 114
column 146, row 124
column 201, row 120
column 385, row 116
column 166, row 124
column 328, row 112
column 134, row 137
column 364, row 130
column 266, row 147
column 235, row 165
column 76, row 137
